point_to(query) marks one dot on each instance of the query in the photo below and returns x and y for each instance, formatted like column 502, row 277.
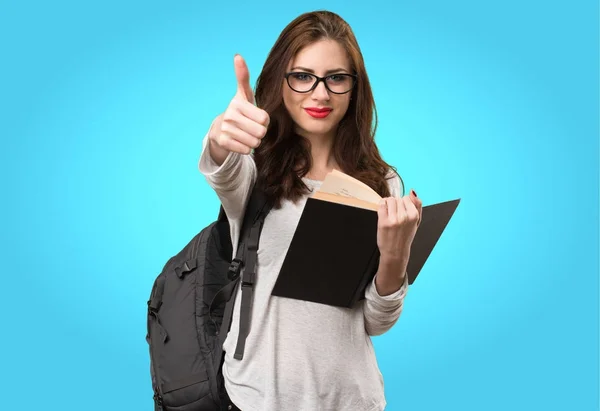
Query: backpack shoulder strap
column 257, row 209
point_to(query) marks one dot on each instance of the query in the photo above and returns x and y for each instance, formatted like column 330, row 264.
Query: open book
column 334, row 254
column 340, row 188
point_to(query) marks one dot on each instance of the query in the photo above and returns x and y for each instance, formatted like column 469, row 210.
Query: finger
column 382, row 211
column 251, row 112
column 413, row 197
column 392, row 207
column 232, row 132
column 238, row 120
column 412, row 214
column 243, row 79
column 232, row 144
column 401, row 209
column 418, row 203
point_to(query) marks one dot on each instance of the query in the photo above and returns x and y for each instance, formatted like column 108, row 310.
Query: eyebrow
column 337, row 70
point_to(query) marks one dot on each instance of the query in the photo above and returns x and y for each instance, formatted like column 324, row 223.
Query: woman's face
column 322, row 58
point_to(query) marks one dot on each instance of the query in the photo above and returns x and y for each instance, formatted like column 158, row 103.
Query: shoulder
column 395, row 183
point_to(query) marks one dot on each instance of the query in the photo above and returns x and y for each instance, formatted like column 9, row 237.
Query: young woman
column 312, row 112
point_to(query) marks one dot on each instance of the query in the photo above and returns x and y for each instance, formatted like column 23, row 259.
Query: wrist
column 215, row 128
column 394, row 262
column 390, row 274
column 216, row 152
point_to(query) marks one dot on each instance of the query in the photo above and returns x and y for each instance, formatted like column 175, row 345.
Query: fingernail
column 413, row 191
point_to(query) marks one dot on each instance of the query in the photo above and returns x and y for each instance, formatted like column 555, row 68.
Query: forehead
column 321, row 57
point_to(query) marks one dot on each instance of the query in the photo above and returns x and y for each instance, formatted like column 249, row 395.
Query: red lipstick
column 318, row 112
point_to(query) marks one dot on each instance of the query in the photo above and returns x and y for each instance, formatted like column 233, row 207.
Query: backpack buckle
column 234, row 269
column 248, row 279
column 186, row 267
column 154, row 305
column 158, row 400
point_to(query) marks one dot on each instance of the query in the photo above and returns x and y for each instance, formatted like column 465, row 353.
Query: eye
column 304, row 77
column 338, row 78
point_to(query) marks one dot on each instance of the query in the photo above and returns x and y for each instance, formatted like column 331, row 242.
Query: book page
column 350, row 201
column 340, row 184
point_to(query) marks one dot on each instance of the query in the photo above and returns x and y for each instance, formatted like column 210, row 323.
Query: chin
column 315, row 126
column 316, row 129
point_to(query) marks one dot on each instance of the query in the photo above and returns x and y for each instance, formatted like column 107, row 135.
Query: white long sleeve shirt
column 299, row 355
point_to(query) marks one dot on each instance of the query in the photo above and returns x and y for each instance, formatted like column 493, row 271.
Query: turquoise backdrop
column 103, row 106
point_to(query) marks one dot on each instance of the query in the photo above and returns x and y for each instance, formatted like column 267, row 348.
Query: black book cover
column 331, row 254
column 334, row 255
column 434, row 220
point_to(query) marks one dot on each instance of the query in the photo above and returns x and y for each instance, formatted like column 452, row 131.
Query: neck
column 323, row 160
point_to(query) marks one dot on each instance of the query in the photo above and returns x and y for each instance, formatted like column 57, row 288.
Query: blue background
column 103, row 106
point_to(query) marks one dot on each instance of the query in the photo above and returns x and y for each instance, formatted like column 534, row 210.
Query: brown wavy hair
column 284, row 157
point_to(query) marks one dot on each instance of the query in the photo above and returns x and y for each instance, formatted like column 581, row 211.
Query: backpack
column 190, row 310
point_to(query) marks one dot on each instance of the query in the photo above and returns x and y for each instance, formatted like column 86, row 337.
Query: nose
column 320, row 92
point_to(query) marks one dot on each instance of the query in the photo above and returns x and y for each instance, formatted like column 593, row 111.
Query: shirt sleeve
column 232, row 182
column 382, row 312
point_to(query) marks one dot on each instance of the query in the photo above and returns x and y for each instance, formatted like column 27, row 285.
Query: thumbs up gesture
column 243, row 125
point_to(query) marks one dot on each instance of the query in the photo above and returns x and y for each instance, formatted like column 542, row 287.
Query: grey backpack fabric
column 190, row 310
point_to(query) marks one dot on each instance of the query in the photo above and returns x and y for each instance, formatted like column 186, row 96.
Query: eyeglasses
column 302, row 82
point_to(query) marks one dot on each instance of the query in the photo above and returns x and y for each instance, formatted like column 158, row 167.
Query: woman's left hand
column 398, row 220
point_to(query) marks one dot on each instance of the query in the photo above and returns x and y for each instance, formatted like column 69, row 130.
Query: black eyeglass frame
column 319, row 79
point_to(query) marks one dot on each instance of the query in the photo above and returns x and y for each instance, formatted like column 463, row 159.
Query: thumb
column 243, row 79
column 418, row 204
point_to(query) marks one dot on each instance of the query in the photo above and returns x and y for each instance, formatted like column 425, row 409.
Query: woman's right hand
column 242, row 126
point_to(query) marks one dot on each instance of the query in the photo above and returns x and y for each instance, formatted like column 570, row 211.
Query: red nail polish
column 413, row 191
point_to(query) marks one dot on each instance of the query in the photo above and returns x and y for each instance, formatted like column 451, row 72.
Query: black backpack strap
column 248, row 279
column 231, row 291
column 256, row 212
column 222, row 216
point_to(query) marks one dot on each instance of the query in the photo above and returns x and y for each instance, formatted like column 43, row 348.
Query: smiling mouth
column 318, row 112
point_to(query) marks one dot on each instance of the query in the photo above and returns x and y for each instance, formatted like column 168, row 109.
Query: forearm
column 231, row 179
column 390, row 275
column 384, row 296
